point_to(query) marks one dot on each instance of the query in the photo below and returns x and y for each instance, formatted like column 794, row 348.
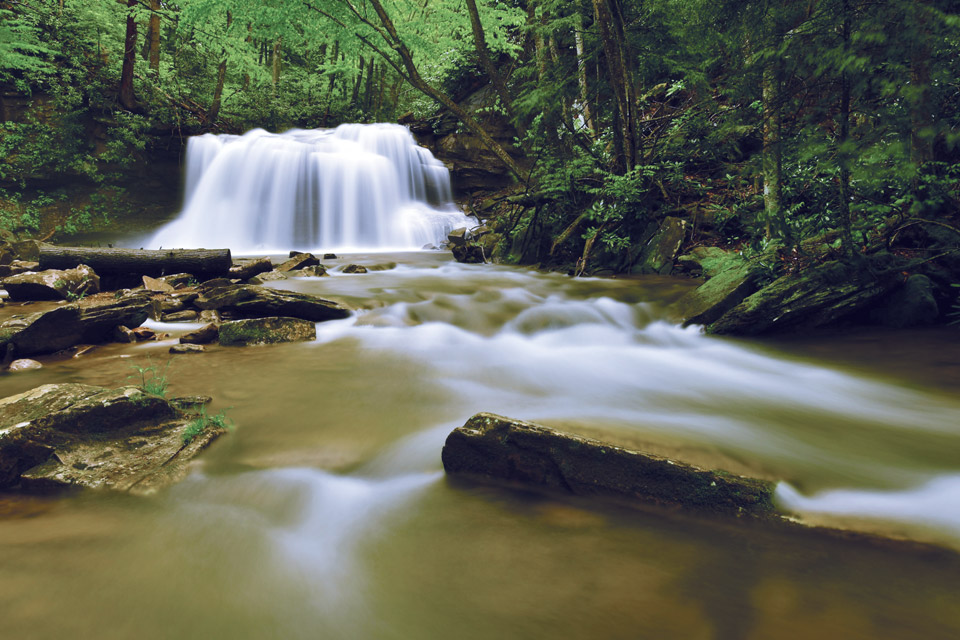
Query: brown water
column 326, row 513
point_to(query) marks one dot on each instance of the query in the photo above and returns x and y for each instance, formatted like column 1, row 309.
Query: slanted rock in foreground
column 251, row 301
column 65, row 436
column 492, row 446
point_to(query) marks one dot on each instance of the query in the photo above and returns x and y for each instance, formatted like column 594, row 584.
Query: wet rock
column 382, row 266
column 187, row 348
column 24, row 364
column 329, row 256
column 178, row 280
column 710, row 261
column 659, row 253
column 170, row 305
column 124, row 335
column 28, row 250
column 210, row 316
column 181, row 316
column 821, row 296
column 489, row 446
column 457, row 237
column 23, row 266
column 66, row 436
column 246, row 269
column 249, row 301
column 911, row 305
column 52, row 284
column 204, row 335
column 87, row 321
column 299, row 261
column 468, row 253
column 316, row 271
column 142, row 334
column 719, row 294
column 354, row 268
column 266, row 331
column 190, row 404
column 155, row 284
column 269, row 276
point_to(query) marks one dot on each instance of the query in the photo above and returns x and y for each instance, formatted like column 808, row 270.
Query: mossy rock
column 258, row 331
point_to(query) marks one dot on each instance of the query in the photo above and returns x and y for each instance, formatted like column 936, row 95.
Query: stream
column 326, row 513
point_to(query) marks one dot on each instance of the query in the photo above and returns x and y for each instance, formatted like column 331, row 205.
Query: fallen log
column 201, row 263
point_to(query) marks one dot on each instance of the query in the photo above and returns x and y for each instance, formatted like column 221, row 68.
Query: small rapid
column 356, row 187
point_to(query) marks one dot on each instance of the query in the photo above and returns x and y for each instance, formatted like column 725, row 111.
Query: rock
column 266, row 331
column 468, row 253
column 316, row 271
column 382, row 266
column 658, row 255
column 354, row 268
column 911, row 305
column 823, row 295
column 22, row 266
column 204, row 335
column 52, row 284
column 170, row 305
column 24, row 364
column 190, row 404
column 124, row 335
column 457, row 237
column 329, row 256
column 299, row 261
column 209, row 316
column 87, row 321
column 269, row 276
column 489, row 446
column 187, row 348
column 710, row 260
column 28, row 250
column 66, row 436
column 246, row 269
column 181, row 316
column 155, row 284
column 719, row 294
column 178, row 280
column 142, row 334
column 249, row 301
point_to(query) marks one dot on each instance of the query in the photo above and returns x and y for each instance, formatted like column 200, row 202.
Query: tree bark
column 155, row 37
column 198, row 262
column 214, row 111
column 611, row 38
column 127, row 98
column 275, row 64
column 582, row 75
column 846, row 233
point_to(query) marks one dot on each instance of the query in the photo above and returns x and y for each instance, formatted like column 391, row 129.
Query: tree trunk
column 275, row 64
column 127, row 98
column 921, row 107
column 155, row 37
column 772, row 151
column 198, row 262
column 618, row 75
column 414, row 78
column 214, row 110
column 582, row 75
column 843, row 156
column 499, row 85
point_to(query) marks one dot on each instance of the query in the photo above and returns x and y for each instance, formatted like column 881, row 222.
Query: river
column 326, row 513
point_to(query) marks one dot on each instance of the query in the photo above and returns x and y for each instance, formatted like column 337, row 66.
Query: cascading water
column 356, row 187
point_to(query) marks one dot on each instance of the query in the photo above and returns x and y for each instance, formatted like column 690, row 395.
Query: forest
column 798, row 130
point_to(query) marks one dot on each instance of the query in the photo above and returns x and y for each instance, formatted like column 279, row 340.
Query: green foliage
column 153, row 378
column 203, row 421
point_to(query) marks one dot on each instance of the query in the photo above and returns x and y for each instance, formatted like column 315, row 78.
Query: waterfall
column 353, row 188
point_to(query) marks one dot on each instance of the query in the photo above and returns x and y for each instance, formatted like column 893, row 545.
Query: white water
column 356, row 187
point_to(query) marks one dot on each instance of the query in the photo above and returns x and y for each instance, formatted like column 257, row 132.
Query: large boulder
column 52, row 284
column 911, row 305
column 252, row 301
column 63, row 436
column 266, row 331
column 660, row 251
column 821, row 296
column 92, row 320
column 489, row 446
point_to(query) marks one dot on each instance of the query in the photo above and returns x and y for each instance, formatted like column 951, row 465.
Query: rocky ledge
column 492, row 446
column 68, row 436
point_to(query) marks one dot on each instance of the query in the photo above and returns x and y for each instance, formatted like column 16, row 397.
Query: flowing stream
column 326, row 514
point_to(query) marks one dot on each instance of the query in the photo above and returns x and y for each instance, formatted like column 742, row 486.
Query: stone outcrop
column 66, row 436
column 52, row 284
column 251, row 301
column 659, row 251
column 88, row 321
column 257, row 331
column 493, row 447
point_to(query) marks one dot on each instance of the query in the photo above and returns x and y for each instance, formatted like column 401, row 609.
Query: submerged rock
column 491, row 446
column 251, row 301
column 266, row 331
column 187, row 348
column 354, row 268
column 52, row 284
column 471, row 253
column 63, row 436
column 204, row 335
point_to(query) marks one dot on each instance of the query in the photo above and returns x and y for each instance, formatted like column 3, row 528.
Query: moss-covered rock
column 266, row 331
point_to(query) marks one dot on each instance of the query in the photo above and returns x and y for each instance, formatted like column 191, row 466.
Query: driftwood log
column 198, row 262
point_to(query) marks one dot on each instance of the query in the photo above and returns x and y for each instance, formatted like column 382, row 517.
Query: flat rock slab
column 67, row 436
column 492, row 446
column 254, row 331
column 252, row 301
